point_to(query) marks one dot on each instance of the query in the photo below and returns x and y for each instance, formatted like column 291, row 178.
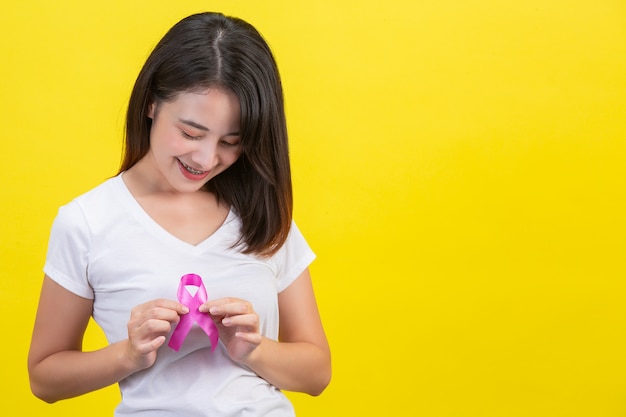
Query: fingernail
column 213, row 310
column 226, row 321
column 185, row 310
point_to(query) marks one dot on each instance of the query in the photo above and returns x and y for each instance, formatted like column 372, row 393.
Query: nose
column 206, row 154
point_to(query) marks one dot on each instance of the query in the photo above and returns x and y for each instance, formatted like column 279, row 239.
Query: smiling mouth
column 190, row 169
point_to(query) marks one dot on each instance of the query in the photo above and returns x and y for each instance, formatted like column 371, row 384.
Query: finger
column 158, row 342
column 153, row 327
column 158, row 313
column 219, row 305
column 163, row 303
column 171, row 305
column 246, row 320
column 254, row 338
column 150, row 346
column 230, row 309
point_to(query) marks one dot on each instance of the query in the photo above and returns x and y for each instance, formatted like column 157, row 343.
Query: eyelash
column 188, row 136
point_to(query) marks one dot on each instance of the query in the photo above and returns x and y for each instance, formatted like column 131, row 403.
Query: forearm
column 298, row 366
column 71, row 373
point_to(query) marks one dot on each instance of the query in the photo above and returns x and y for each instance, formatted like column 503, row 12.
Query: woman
column 204, row 189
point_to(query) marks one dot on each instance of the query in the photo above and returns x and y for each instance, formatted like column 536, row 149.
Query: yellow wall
column 459, row 168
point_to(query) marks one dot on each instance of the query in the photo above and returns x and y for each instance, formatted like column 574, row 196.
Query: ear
column 151, row 109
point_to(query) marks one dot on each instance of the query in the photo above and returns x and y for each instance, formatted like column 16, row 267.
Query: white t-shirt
column 104, row 246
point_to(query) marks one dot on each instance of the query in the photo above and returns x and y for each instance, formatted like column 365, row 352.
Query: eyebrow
column 201, row 127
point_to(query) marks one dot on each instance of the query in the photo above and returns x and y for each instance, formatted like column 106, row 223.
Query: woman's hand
column 148, row 327
column 238, row 326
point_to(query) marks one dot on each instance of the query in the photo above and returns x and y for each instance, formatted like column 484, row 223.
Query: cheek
column 236, row 156
column 169, row 142
column 231, row 157
column 227, row 161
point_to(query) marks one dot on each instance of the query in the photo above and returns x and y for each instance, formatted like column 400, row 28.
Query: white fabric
column 104, row 246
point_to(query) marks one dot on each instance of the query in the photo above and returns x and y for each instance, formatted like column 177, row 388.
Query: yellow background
column 459, row 169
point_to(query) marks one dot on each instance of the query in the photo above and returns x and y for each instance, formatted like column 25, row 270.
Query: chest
column 131, row 265
column 191, row 218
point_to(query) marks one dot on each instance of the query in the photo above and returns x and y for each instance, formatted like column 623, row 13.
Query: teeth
column 191, row 170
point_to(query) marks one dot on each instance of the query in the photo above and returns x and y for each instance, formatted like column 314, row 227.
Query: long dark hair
column 212, row 50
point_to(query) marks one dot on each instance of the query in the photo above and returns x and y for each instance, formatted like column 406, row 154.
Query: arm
column 57, row 366
column 301, row 360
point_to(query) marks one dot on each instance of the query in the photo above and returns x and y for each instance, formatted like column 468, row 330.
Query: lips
column 191, row 173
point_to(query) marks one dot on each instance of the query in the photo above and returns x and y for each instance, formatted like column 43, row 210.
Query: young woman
column 204, row 189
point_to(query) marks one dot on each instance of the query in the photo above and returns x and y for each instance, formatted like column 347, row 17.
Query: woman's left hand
column 238, row 326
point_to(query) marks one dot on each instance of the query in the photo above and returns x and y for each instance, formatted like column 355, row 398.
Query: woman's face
column 193, row 138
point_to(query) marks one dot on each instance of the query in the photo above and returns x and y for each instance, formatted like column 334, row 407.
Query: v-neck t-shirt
column 104, row 246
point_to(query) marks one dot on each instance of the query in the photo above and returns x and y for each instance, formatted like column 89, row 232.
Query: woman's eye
column 230, row 144
column 188, row 136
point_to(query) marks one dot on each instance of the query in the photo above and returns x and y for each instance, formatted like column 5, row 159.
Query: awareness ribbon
column 193, row 302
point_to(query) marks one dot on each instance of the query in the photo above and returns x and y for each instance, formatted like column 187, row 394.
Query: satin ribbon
column 193, row 302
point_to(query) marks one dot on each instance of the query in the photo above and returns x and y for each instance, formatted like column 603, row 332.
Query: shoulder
column 101, row 198
column 98, row 201
column 293, row 257
column 295, row 240
column 103, row 192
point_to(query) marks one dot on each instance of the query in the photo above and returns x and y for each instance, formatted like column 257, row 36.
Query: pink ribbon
column 186, row 320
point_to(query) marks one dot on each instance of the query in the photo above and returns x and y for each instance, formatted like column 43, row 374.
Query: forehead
column 210, row 106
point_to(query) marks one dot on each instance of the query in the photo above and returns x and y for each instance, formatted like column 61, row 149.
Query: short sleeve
column 68, row 251
column 293, row 258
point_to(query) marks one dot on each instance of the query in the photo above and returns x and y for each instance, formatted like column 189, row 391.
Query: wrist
column 255, row 358
column 128, row 361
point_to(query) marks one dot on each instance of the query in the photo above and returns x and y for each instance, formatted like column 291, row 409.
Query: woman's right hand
column 59, row 368
column 148, row 327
